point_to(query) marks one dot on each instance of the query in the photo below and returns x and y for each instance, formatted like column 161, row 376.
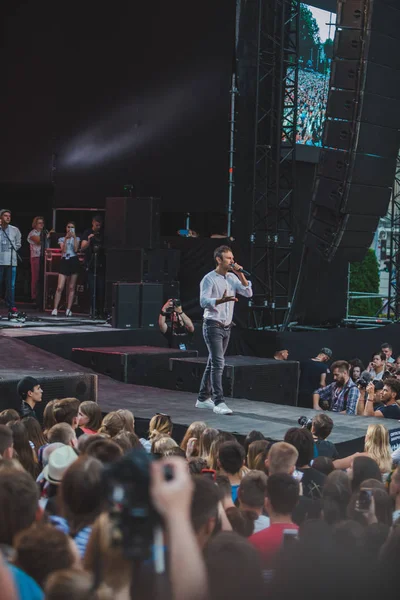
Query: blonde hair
column 206, row 439
column 377, row 446
column 162, row 443
column 48, row 416
column 193, row 431
column 129, row 419
column 112, row 424
column 256, row 455
column 35, row 220
column 160, row 423
column 282, row 458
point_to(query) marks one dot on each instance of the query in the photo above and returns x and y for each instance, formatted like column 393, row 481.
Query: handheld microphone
column 240, row 270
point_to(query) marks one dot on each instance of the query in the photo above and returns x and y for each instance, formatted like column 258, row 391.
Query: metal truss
column 393, row 303
column 274, row 160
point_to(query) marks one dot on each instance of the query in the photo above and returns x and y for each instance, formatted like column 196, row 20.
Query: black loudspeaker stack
column 132, row 240
column 361, row 137
column 136, row 305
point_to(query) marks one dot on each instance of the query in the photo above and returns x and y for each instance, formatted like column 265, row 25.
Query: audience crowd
column 91, row 511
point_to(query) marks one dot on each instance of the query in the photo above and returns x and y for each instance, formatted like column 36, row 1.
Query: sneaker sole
column 204, row 407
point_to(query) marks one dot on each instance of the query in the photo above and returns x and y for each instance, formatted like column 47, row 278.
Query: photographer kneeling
column 175, row 325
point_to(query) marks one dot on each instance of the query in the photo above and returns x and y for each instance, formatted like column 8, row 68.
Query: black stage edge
column 271, row 419
column 346, row 343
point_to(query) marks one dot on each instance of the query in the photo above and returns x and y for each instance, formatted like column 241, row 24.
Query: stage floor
column 272, row 420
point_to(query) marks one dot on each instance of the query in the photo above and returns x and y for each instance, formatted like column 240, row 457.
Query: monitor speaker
column 136, row 305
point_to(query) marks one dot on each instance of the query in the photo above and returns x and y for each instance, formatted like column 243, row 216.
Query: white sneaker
column 68, row 313
column 54, row 312
column 222, row 409
column 205, row 403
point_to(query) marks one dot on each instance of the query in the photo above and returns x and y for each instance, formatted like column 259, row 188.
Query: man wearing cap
column 10, row 243
column 313, row 376
column 31, row 393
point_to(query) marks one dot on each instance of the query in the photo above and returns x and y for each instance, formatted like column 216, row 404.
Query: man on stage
column 218, row 291
column 10, row 243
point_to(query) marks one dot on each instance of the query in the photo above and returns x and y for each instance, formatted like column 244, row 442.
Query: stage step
column 260, row 379
column 142, row 365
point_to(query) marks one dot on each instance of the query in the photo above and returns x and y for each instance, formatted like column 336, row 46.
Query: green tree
column 328, row 48
column 364, row 277
column 309, row 34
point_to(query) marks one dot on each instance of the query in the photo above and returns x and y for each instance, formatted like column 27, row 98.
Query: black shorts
column 70, row 266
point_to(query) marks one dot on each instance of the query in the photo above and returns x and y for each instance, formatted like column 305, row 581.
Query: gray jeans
column 216, row 339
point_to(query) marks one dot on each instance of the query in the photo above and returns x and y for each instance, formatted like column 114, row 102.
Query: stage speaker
column 151, row 303
column 126, row 306
column 137, row 265
column 361, row 137
column 55, row 385
column 132, row 223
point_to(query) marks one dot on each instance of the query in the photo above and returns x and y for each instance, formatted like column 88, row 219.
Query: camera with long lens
column 132, row 514
column 305, row 422
column 364, row 380
column 176, row 303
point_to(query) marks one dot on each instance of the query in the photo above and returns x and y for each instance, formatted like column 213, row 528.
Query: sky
column 323, row 18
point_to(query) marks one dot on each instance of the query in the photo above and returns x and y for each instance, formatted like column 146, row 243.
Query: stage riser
column 140, row 367
column 55, row 385
column 263, row 380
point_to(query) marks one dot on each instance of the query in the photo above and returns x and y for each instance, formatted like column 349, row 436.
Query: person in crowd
column 160, row 423
column 356, row 368
column 89, row 417
column 206, row 439
column 105, row 450
column 389, row 409
column 19, row 497
column 281, row 354
column 376, row 446
column 6, row 443
column 251, row 495
column 127, row 440
column 388, row 352
column 48, row 416
column 336, row 495
column 75, row 583
column 128, row 418
column 313, row 376
column 281, row 499
column 92, row 245
column 323, row 464
column 223, row 436
column 363, row 468
column 82, row 500
column 35, row 434
column 377, row 366
column 257, row 455
column 321, row 428
column 10, row 243
column 196, row 465
column 312, row 480
column 66, row 410
column 178, row 330
column 69, row 268
column 218, row 291
column 42, row 549
column 58, row 462
column 63, row 433
column 23, row 449
column 204, row 509
column 234, row 568
column 382, row 505
column 30, row 392
column 191, row 440
column 8, row 415
column 394, row 492
column 253, row 436
column 282, row 458
column 230, row 463
column 112, row 424
column 375, row 393
column 37, row 240
column 162, row 443
column 342, row 395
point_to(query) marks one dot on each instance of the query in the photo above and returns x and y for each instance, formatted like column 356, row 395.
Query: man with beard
column 342, row 395
column 389, row 409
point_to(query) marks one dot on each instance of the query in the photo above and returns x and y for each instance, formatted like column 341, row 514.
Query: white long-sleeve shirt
column 6, row 251
column 212, row 287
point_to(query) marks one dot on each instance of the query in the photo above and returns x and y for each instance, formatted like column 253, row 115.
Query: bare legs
column 71, row 290
column 60, row 288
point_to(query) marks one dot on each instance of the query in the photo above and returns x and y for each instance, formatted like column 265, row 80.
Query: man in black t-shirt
column 179, row 328
column 92, row 245
column 389, row 396
column 311, row 479
column 313, row 376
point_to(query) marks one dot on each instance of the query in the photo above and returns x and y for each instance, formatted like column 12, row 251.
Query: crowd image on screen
column 91, row 510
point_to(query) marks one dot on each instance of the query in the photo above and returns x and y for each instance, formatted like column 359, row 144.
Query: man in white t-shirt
column 377, row 366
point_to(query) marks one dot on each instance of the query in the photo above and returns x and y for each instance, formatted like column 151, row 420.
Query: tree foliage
column 364, row 277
